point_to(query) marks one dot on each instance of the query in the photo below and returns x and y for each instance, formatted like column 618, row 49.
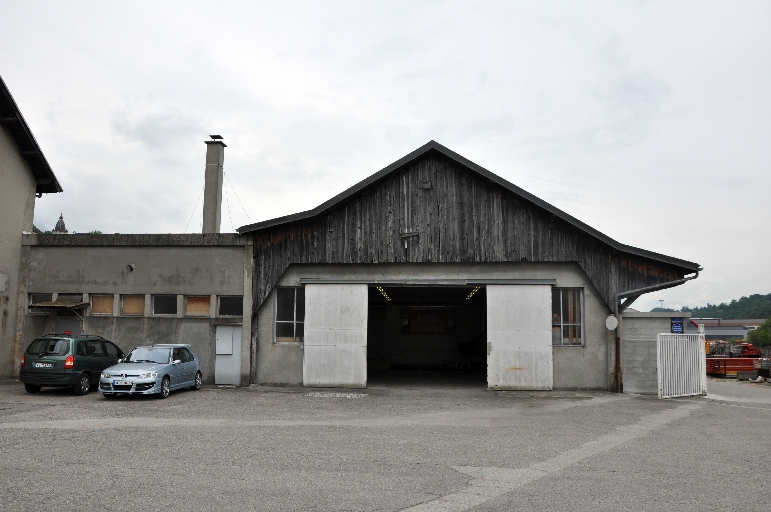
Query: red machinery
column 726, row 360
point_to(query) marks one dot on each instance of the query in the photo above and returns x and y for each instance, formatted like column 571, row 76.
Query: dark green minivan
column 59, row 360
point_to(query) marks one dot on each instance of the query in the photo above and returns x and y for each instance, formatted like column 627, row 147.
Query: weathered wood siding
column 463, row 218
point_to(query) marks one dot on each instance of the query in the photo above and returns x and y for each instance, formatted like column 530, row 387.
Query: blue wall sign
column 677, row 325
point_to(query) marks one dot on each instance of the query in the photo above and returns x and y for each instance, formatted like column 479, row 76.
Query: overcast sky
column 649, row 121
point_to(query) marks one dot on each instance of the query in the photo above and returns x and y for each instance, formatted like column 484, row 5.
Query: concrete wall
column 192, row 268
column 574, row 367
column 638, row 349
column 17, row 206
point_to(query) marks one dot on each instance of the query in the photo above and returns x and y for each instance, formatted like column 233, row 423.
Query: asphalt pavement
column 421, row 444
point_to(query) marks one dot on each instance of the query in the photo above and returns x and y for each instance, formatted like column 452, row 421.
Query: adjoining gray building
column 436, row 263
column 144, row 289
column 24, row 174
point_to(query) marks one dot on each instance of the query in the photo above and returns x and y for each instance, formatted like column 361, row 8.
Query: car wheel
column 165, row 387
column 198, row 381
column 83, row 386
column 31, row 388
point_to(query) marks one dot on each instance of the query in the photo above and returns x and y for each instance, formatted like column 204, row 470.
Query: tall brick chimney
column 212, row 194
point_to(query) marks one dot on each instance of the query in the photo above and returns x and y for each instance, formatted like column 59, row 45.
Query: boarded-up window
column 101, row 304
column 164, row 304
column 231, row 306
column 567, row 316
column 133, row 305
column 197, row 306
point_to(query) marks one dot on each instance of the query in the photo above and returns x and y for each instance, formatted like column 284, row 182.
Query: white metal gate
column 682, row 365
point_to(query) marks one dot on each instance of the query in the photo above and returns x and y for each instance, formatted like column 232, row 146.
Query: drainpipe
column 632, row 293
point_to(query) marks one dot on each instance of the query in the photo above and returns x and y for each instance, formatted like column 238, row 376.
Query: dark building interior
column 434, row 330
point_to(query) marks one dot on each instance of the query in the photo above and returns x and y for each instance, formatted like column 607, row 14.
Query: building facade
column 436, row 263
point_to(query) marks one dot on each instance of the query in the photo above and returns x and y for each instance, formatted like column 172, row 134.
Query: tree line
column 754, row 306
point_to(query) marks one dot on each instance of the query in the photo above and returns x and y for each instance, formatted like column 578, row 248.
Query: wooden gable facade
column 435, row 206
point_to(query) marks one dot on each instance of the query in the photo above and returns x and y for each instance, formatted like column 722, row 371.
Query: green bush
column 761, row 337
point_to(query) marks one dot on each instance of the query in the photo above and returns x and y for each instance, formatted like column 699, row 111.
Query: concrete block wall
column 638, row 349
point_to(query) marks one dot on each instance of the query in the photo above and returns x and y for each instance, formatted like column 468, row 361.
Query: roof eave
column 46, row 181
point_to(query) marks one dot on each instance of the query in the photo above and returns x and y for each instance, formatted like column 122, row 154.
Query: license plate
column 122, row 383
column 43, row 365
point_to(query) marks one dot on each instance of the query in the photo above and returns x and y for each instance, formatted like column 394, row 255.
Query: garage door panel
column 335, row 348
column 335, row 366
column 337, row 306
column 522, row 360
column 514, row 309
column 519, row 337
column 334, row 337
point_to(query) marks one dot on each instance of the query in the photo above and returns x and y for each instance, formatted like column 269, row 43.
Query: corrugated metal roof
column 435, row 147
column 11, row 118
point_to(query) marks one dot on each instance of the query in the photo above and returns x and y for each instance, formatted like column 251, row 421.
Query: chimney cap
column 216, row 137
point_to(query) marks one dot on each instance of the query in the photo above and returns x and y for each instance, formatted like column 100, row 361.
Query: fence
column 682, row 365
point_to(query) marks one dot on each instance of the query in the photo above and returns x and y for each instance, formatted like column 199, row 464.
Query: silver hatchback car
column 159, row 368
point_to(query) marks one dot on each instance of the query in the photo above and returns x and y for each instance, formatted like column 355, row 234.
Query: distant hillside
column 754, row 306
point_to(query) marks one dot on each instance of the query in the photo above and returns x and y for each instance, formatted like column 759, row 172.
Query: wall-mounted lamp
column 130, row 267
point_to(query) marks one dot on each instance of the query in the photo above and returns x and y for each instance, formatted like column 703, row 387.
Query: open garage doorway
column 426, row 335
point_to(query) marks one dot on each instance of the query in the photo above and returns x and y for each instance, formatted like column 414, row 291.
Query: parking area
column 418, row 445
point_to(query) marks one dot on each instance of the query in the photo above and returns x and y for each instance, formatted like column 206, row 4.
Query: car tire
column 31, row 388
column 83, row 386
column 165, row 387
column 198, row 381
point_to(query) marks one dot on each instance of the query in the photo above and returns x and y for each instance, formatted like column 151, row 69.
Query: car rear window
column 49, row 346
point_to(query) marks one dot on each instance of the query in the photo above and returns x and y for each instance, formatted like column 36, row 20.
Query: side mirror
column 177, row 361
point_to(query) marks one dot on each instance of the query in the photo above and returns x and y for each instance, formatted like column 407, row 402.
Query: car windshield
column 149, row 355
column 51, row 346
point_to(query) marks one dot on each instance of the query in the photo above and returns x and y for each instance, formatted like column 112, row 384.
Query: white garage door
column 335, row 350
column 519, row 345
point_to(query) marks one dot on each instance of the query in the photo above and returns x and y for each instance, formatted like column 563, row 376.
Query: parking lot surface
column 422, row 445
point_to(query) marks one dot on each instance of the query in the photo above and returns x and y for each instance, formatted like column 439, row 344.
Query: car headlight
column 149, row 375
column 105, row 375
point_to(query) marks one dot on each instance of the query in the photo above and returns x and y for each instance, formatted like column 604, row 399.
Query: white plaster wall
column 17, row 204
column 335, row 349
column 519, row 337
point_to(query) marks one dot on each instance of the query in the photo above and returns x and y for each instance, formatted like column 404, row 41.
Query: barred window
column 290, row 314
column 567, row 305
